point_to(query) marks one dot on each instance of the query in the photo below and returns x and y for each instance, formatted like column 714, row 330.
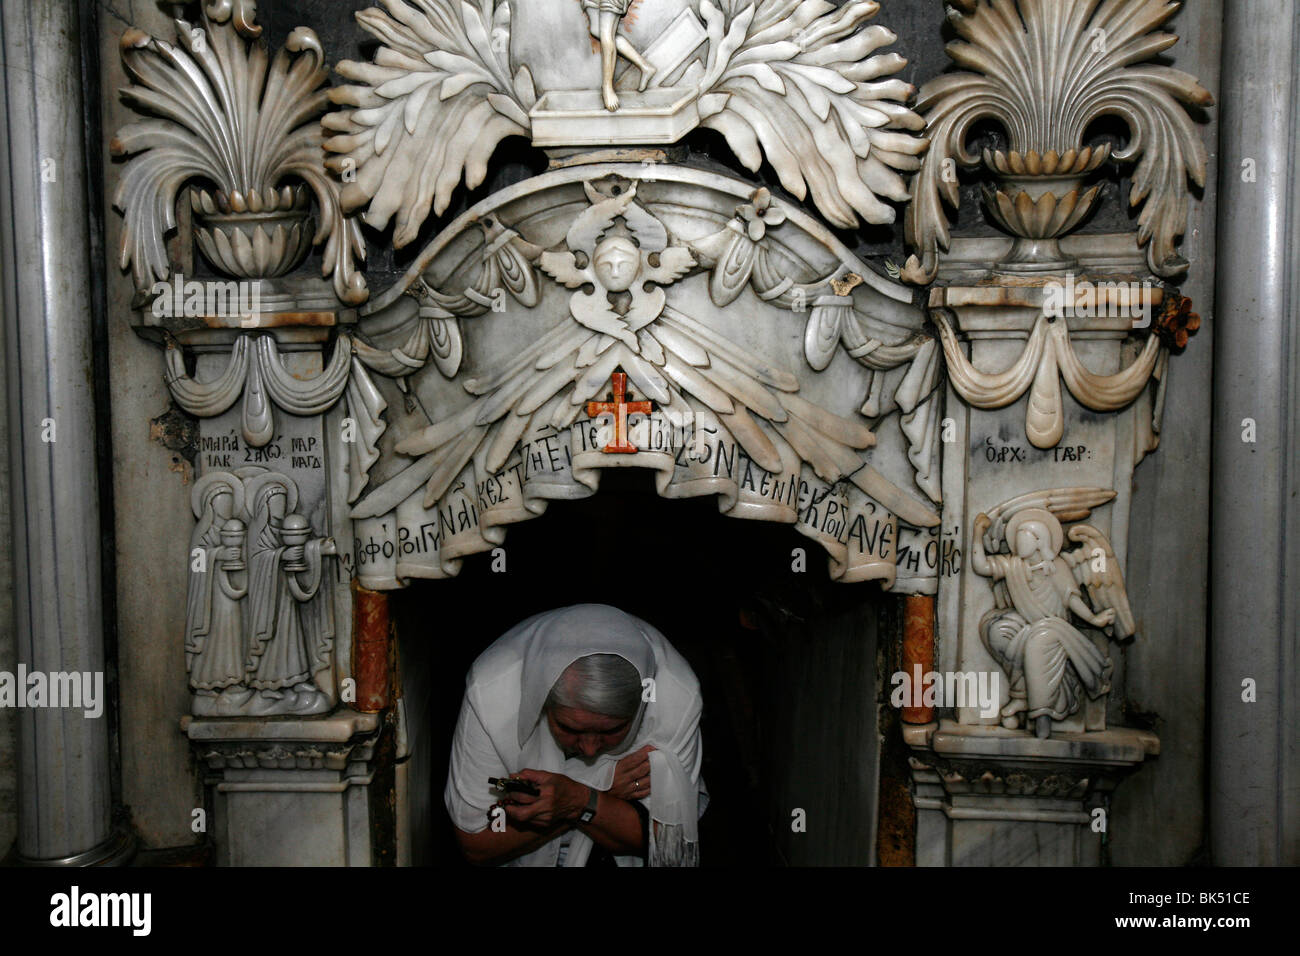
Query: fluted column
column 64, row 793
column 1255, row 549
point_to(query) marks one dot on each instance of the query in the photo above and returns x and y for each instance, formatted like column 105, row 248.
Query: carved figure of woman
column 214, row 639
column 603, row 18
column 286, row 569
column 1029, row 632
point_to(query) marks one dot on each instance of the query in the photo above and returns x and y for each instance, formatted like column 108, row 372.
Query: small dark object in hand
column 507, row 785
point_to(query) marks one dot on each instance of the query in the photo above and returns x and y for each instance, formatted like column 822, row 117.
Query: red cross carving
column 620, row 409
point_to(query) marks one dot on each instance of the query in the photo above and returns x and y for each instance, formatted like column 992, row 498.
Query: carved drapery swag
column 622, row 310
column 727, row 420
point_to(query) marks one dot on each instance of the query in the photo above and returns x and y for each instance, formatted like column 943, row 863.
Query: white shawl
column 501, row 729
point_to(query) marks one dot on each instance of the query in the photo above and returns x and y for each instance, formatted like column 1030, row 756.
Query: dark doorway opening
column 787, row 662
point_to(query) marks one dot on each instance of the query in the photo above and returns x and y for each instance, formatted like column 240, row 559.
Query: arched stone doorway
column 787, row 661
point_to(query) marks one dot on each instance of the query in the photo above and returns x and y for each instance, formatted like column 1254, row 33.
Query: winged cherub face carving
column 616, row 262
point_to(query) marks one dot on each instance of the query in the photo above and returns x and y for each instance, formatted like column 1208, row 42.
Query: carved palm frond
column 795, row 82
column 1045, row 70
column 431, row 107
column 223, row 113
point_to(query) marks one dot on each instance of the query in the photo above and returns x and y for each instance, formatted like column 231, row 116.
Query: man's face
column 581, row 733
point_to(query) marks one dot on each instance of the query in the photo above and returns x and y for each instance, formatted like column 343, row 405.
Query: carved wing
column 1096, row 568
column 562, row 266
column 674, row 262
column 793, row 81
column 527, row 394
column 435, row 103
column 758, row 404
column 679, row 363
column 1067, row 504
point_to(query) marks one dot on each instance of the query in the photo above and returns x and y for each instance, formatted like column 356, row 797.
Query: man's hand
column 632, row 776
column 560, row 802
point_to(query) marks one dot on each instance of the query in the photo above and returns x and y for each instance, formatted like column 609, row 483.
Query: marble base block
column 290, row 792
column 994, row 797
column 578, row 118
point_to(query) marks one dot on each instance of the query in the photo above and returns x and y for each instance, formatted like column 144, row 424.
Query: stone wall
column 151, row 493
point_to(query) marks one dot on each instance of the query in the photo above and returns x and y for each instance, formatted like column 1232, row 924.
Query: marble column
column 64, row 789
column 1255, row 553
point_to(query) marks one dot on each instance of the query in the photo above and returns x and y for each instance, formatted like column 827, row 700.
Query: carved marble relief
column 1057, row 347
column 220, row 111
column 628, row 309
column 1045, row 70
column 1053, row 666
column 259, row 629
column 799, row 83
column 1048, row 359
column 646, row 262
column 645, row 271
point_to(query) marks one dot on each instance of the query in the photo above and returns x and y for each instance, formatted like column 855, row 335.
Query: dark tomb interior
column 787, row 662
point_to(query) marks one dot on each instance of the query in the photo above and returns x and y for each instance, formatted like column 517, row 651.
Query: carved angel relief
column 1039, row 589
column 683, row 293
column 620, row 258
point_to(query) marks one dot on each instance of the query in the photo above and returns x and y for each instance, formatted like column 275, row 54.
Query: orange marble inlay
column 620, row 409
column 371, row 640
column 918, row 648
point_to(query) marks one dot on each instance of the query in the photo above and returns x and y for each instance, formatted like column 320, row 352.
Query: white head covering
column 561, row 637
column 501, row 717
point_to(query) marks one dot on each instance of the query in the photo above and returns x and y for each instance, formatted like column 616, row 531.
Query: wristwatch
column 589, row 811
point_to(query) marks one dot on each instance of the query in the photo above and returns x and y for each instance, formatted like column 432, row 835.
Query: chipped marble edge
column 339, row 727
column 1115, row 745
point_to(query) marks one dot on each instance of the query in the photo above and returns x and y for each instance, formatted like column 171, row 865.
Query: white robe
column 501, row 729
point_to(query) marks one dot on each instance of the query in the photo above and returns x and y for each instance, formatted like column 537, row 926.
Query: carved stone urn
column 1044, row 73
column 1039, row 199
column 253, row 235
column 239, row 126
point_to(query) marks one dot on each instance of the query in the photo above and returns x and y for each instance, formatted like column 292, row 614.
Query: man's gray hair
column 600, row 683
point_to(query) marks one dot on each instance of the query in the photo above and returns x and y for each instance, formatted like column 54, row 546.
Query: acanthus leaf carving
column 431, row 108
column 806, row 89
column 1016, row 53
column 798, row 82
column 223, row 113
